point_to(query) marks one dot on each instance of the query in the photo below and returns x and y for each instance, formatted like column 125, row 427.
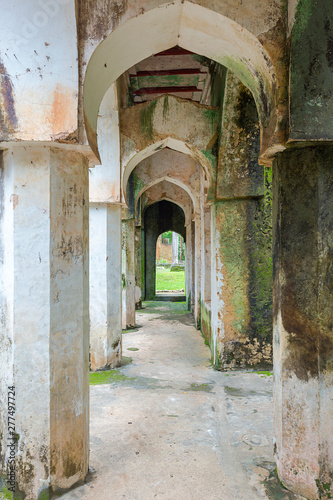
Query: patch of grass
column 265, row 373
column 108, row 377
column 167, row 280
column 132, row 349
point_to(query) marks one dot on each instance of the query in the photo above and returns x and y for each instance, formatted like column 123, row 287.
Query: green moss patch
column 265, row 373
column 108, row 377
column 199, row 388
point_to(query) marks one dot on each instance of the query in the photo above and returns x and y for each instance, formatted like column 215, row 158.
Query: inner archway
column 170, row 267
column 158, row 218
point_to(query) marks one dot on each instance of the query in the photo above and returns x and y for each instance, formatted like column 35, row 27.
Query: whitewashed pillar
column 105, row 285
column 128, row 273
column 44, row 295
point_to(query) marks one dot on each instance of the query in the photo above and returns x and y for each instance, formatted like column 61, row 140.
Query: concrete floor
column 171, row 427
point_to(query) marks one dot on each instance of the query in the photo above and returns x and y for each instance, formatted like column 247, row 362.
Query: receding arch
column 159, row 217
column 170, row 191
column 194, row 28
column 170, row 143
column 172, row 181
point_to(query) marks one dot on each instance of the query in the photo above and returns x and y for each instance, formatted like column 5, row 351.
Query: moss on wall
column 311, row 67
column 206, row 323
column 259, row 222
column 244, row 225
column 146, row 119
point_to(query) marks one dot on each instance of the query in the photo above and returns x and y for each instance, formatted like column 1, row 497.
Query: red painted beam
column 165, row 90
column 169, row 72
column 174, row 51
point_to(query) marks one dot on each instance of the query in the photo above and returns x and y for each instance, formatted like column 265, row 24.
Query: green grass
column 167, row 280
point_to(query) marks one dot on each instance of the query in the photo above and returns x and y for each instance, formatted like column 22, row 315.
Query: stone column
column 193, row 268
column 128, row 273
column 206, row 312
column 188, row 265
column 105, row 285
column 138, row 267
column 197, row 272
column 303, row 319
column 206, row 256
column 175, row 247
column 231, row 319
column 44, row 294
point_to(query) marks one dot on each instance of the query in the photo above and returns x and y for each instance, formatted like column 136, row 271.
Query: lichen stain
column 8, row 119
column 68, row 454
column 62, row 113
column 25, row 470
column 98, row 19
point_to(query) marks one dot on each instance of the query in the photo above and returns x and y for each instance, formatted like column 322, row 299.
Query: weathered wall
column 158, row 218
column 303, row 338
column 39, row 71
column 239, row 175
column 242, row 306
column 192, row 125
column 311, row 71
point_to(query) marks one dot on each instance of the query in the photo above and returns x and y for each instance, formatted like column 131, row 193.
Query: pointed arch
column 194, row 28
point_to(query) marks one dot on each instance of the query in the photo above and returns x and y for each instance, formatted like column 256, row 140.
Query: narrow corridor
column 167, row 425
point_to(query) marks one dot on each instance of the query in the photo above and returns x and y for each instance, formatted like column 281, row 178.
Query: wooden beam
column 169, row 72
column 164, row 90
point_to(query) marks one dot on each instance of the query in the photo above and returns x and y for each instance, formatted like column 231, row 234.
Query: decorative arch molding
column 172, row 181
column 188, row 204
column 170, row 200
column 170, row 143
column 194, row 28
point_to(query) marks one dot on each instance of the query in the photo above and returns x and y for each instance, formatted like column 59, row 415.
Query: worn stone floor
column 168, row 426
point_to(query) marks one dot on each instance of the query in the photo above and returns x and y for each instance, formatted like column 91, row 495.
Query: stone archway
column 194, row 28
column 159, row 217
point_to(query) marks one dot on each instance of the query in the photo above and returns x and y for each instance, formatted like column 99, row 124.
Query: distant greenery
column 168, row 235
column 166, row 280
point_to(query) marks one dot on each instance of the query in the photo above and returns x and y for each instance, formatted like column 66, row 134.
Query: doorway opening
column 170, row 265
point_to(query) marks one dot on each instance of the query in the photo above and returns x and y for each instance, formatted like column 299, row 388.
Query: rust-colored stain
column 15, row 200
column 60, row 116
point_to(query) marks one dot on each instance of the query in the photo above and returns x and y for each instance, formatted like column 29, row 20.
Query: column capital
column 83, row 149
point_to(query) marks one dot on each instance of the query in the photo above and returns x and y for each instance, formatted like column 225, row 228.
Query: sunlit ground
column 169, row 280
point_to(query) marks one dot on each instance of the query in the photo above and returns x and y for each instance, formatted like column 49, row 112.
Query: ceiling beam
column 165, row 90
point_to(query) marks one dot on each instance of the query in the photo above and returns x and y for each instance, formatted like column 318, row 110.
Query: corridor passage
column 167, row 425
